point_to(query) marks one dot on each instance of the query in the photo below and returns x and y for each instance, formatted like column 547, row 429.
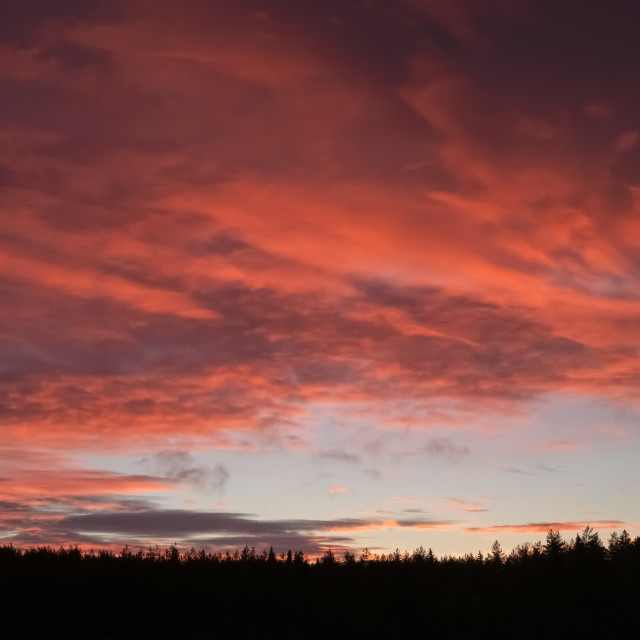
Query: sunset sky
column 338, row 273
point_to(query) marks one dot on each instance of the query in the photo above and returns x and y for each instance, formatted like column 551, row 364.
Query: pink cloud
column 338, row 489
column 561, row 445
column 465, row 505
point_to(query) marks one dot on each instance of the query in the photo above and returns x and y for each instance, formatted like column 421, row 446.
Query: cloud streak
column 543, row 527
column 212, row 530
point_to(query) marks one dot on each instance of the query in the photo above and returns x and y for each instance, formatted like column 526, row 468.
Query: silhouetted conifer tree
column 554, row 545
column 496, row 557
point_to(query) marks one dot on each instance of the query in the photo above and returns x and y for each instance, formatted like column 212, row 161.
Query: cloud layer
column 219, row 218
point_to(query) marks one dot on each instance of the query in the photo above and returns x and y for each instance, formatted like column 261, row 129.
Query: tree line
column 587, row 545
column 557, row 588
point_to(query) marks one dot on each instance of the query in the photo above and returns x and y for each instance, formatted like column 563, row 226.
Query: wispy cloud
column 336, row 455
column 445, row 447
column 534, row 470
column 466, row 505
column 182, row 466
column 543, row 527
column 561, row 445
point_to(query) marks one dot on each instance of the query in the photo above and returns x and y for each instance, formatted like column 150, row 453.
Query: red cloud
column 176, row 275
column 232, row 247
column 69, row 482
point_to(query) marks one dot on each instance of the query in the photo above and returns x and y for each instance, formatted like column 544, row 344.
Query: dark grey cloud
column 214, row 530
column 338, row 455
column 7, row 506
column 423, row 523
column 183, row 467
column 445, row 447
column 534, row 470
column 36, row 522
column 51, row 524
column 183, row 523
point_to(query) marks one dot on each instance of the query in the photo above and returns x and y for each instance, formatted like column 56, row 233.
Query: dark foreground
column 545, row 591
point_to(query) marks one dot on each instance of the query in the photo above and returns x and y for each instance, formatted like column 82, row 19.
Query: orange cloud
column 390, row 524
column 543, row 527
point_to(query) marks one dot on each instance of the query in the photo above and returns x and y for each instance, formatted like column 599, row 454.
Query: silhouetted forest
column 580, row 588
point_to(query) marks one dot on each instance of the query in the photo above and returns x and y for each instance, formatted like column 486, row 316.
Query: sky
column 338, row 274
